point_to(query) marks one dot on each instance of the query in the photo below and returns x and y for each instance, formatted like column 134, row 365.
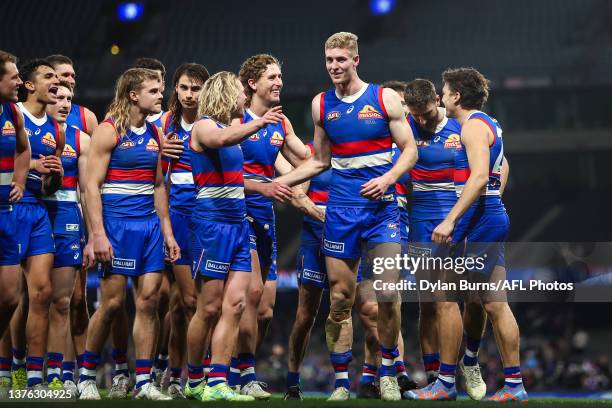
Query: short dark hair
column 470, row 84
column 4, row 58
column 59, row 59
column 397, row 86
column 27, row 72
column 420, row 93
column 150, row 63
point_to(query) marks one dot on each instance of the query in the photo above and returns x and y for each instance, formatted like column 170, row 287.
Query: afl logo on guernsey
column 49, row 140
column 152, row 146
column 333, row 115
column 69, row 151
column 254, row 137
column 368, row 112
column 8, row 129
column 453, row 141
column 128, row 144
column 276, row 139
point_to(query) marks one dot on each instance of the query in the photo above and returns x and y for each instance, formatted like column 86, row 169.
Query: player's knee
column 369, row 311
column 236, row 305
column 211, row 310
column 495, row 309
column 61, row 304
column 147, row 303
column 265, row 314
column 255, row 293
column 40, row 296
column 190, row 303
column 112, row 306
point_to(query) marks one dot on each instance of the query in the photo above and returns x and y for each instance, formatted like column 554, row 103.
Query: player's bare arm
column 85, row 143
column 207, row 134
column 90, row 121
column 320, row 161
column 53, row 181
column 403, row 138
column 504, row 174
column 161, row 208
column 294, row 150
column 475, row 136
column 23, row 153
column 103, row 142
column 299, row 199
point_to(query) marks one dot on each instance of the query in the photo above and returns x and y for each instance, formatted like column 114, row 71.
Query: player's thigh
column 147, row 285
column 185, row 282
column 236, row 287
column 112, row 289
column 342, row 279
column 256, row 276
column 10, row 283
column 38, row 271
column 309, row 299
column 62, row 281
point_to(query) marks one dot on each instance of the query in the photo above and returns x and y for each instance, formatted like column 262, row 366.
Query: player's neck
column 190, row 115
column 35, row 107
column 463, row 115
column 259, row 107
column 350, row 88
column 137, row 117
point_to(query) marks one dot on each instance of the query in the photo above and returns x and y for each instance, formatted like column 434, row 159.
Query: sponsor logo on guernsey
column 216, row 266
column 368, row 112
column 254, row 137
column 69, row 151
column 128, row 144
column 313, row 275
column 8, row 129
column 453, row 141
column 72, row 227
column 152, row 146
column 124, row 263
column 334, row 115
column 276, row 139
column 422, row 143
column 49, row 140
column 333, row 246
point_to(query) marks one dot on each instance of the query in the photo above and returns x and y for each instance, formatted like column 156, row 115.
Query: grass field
column 309, row 402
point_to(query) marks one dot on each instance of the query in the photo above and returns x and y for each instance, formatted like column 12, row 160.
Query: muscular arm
column 403, row 138
column 90, row 121
column 401, row 132
column 293, row 148
column 23, row 153
column 505, row 173
column 53, row 181
column 206, row 133
column 475, row 137
column 84, row 142
column 299, row 198
column 320, row 161
column 102, row 144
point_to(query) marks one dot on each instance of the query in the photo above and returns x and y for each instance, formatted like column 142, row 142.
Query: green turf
column 308, row 403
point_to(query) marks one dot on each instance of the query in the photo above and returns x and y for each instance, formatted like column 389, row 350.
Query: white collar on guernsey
column 252, row 114
column 186, row 126
column 139, row 131
column 444, row 121
column 352, row 98
column 34, row 119
column 153, row 118
column 64, row 126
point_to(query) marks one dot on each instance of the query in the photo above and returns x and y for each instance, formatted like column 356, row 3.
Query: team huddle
column 181, row 202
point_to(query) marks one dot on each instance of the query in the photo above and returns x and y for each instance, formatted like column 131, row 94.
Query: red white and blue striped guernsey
column 219, row 182
column 8, row 143
column 361, row 144
column 129, row 183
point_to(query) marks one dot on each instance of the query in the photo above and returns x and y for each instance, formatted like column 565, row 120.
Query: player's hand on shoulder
column 277, row 191
column 172, row 146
